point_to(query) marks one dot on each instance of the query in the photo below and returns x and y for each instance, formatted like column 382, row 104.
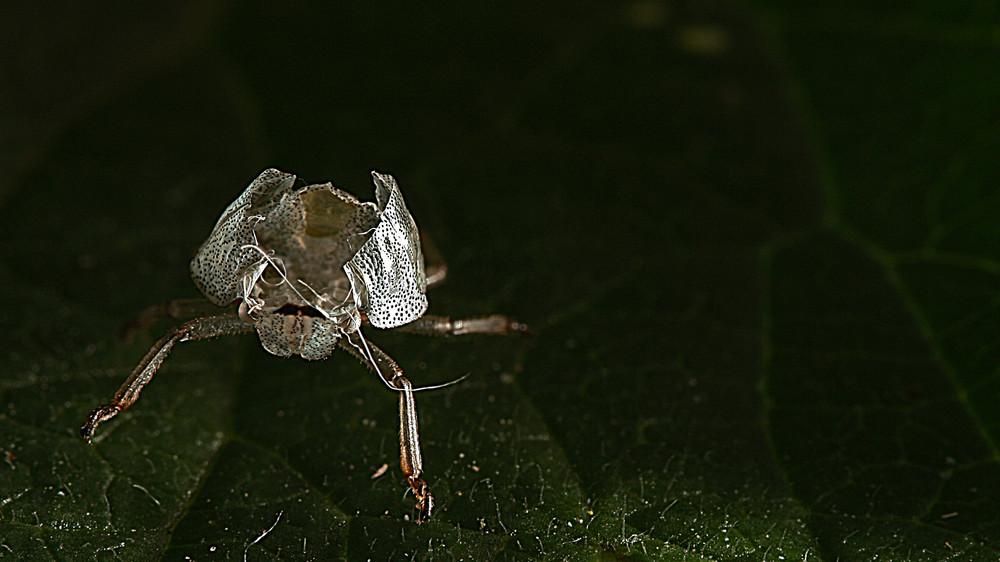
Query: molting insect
column 307, row 268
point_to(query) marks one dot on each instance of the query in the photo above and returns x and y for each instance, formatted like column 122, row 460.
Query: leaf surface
column 756, row 247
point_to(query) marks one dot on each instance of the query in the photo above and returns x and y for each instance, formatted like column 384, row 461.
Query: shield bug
column 307, row 267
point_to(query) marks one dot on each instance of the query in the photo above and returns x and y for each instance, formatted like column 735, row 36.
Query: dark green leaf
column 757, row 250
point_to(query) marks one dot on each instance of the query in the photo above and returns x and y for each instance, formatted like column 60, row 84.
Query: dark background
column 757, row 244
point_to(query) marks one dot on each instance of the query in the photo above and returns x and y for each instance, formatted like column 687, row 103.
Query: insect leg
column 410, row 458
column 179, row 309
column 432, row 325
column 197, row 329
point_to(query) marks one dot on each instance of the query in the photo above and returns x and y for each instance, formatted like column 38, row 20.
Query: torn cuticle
column 309, row 236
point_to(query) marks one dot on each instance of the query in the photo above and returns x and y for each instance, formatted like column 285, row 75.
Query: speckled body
column 308, row 266
column 306, row 263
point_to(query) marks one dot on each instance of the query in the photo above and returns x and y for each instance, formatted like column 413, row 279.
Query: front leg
column 197, row 329
column 410, row 458
column 178, row 309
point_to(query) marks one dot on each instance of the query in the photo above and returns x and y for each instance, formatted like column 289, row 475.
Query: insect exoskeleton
column 308, row 267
